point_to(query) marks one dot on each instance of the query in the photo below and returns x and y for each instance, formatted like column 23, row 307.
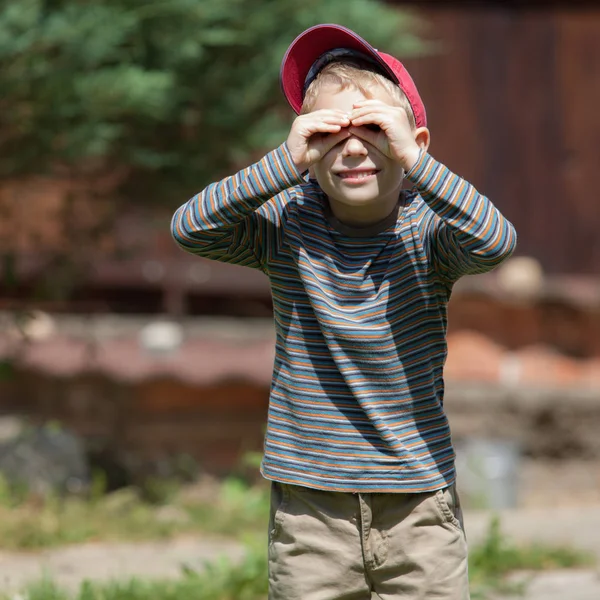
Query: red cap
column 314, row 42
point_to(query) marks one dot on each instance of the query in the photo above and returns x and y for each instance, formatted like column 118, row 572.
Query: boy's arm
column 232, row 220
column 467, row 234
column 464, row 232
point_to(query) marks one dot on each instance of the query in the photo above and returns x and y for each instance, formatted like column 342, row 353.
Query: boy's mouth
column 357, row 175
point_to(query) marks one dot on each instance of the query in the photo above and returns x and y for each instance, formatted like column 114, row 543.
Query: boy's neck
column 367, row 216
column 369, row 220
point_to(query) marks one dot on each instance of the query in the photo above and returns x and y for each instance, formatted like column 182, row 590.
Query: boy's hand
column 314, row 134
column 392, row 134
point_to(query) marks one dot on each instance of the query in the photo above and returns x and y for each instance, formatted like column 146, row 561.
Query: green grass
column 34, row 523
column 231, row 508
column 497, row 557
column 221, row 580
column 489, row 565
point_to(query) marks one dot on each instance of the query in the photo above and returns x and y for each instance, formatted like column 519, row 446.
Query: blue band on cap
column 335, row 55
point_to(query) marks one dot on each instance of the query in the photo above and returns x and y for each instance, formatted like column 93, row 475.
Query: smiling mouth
column 357, row 176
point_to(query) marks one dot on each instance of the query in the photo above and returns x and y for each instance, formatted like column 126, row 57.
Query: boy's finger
column 370, row 118
column 341, row 119
column 333, row 140
column 324, row 128
column 364, row 108
column 367, row 115
column 322, row 124
column 364, row 134
column 378, row 107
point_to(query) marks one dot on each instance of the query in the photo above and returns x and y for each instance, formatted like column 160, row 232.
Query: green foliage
column 34, row 523
column 176, row 91
column 224, row 579
column 219, row 580
column 6, row 369
column 227, row 580
column 31, row 522
column 496, row 557
column 242, row 509
column 233, row 508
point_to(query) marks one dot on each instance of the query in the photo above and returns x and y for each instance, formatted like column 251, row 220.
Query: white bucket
column 488, row 473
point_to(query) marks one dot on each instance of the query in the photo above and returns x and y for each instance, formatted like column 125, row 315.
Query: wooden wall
column 513, row 98
column 143, row 423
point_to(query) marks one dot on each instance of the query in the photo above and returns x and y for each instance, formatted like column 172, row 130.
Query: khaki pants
column 341, row 546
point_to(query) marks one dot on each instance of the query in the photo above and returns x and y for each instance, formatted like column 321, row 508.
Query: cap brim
column 309, row 46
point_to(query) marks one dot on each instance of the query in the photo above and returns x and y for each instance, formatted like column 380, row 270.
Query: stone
column 44, row 459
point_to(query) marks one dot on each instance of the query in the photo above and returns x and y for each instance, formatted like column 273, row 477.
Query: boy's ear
column 423, row 138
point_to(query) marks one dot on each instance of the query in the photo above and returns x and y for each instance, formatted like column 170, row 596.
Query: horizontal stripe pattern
column 357, row 395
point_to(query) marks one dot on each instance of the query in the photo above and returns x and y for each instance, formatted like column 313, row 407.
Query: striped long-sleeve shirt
column 356, row 400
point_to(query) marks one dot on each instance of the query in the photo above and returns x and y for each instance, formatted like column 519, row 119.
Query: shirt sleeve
column 464, row 233
column 237, row 220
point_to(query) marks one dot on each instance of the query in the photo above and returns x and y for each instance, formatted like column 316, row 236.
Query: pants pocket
column 280, row 496
column 449, row 507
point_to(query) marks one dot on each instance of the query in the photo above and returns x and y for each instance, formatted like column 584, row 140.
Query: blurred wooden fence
column 513, row 99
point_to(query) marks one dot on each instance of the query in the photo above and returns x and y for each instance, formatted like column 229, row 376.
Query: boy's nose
column 354, row 146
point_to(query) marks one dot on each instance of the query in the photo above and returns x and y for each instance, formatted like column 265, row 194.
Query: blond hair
column 350, row 74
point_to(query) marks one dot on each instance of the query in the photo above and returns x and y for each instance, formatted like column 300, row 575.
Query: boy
column 357, row 446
